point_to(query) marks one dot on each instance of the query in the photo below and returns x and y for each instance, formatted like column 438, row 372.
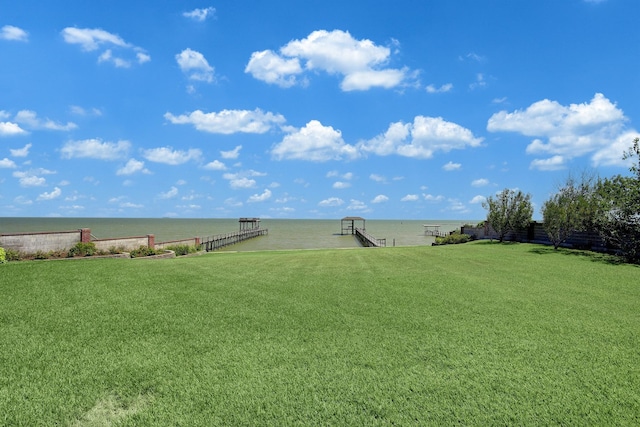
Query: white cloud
column 9, row 32
column 457, row 207
column 92, row 39
column 50, row 196
column 450, row 166
column 215, row 165
column 480, row 82
column 7, row 164
column 442, row 89
column 473, row 57
column 477, row 200
column 169, row 156
column 270, row 67
column 357, row 205
column 200, row 14
column 107, row 56
column 130, row 205
column 551, row 164
column 229, row 121
column 360, row 62
column 421, row 139
column 173, row 192
column 569, row 131
column 194, row 65
column 410, row 198
column 80, row 111
column 11, row 129
column 31, row 120
column 341, row 185
column 143, row 57
column 237, row 182
column 380, row 198
column 241, row 179
column 31, row 178
column 266, row 195
column 611, row 155
column 314, row 142
column 331, row 202
column 233, row 202
column 377, row 178
column 481, row 182
column 333, row 174
column 132, row 167
column 232, row 154
column 550, row 118
column 366, row 79
column 20, row 152
column 95, row 149
column 432, row 198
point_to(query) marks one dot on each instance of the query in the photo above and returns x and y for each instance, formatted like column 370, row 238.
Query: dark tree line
column 611, row 206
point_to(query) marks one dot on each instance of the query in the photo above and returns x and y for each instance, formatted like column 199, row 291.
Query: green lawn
column 475, row 334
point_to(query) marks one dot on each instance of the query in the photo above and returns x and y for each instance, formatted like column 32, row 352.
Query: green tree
column 508, row 211
column 569, row 210
column 618, row 208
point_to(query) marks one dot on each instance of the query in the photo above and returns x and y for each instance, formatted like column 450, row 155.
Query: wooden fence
column 535, row 233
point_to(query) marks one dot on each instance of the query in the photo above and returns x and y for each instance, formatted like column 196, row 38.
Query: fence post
column 151, row 241
column 85, row 235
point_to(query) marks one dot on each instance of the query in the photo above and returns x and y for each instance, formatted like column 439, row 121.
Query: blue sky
column 309, row 109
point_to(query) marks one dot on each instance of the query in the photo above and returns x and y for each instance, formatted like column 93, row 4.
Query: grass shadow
column 590, row 255
column 495, row 242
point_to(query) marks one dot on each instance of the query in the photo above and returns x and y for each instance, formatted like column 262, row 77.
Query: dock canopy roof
column 348, row 224
column 249, row 223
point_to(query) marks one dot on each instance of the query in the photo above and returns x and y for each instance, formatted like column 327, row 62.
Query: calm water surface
column 283, row 233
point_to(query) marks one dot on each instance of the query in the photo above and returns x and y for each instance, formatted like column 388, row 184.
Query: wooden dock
column 433, row 230
column 368, row 240
column 218, row 241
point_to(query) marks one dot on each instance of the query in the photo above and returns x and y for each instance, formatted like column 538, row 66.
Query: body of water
column 283, row 233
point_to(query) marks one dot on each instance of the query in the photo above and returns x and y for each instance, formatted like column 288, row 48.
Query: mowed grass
column 475, row 334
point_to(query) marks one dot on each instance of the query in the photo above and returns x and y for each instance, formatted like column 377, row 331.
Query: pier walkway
column 249, row 228
column 433, row 230
column 218, row 241
column 368, row 240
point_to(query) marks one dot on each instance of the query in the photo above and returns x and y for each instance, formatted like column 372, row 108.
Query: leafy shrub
column 116, row 250
column 453, row 239
column 83, row 249
column 182, row 249
column 143, row 251
column 41, row 255
column 12, row 255
column 59, row 253
column 3, row 256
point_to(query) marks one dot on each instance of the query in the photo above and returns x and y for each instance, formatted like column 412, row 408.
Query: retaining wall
column 128, row 243
column 45, row 241
column 194, row 241
column 65, row 240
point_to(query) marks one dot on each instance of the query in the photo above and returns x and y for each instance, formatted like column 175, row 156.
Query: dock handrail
column 368, row 240
column 212, row 243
